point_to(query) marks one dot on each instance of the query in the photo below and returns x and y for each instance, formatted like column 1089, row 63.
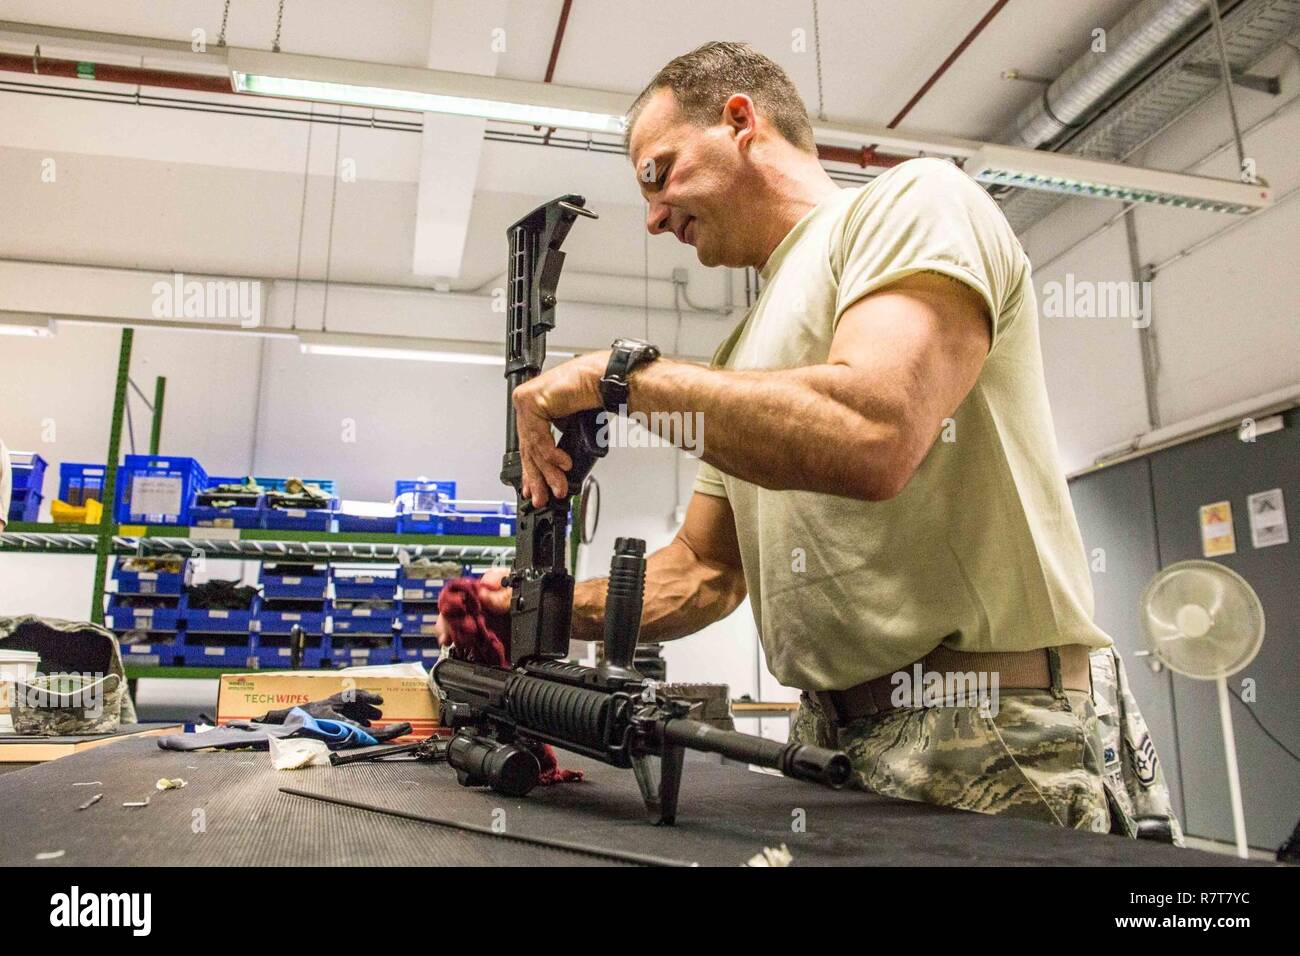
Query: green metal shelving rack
column 109, row 539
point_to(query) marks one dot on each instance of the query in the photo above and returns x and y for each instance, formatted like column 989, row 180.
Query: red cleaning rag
column 478, row 634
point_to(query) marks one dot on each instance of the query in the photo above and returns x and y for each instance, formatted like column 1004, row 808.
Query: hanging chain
column 225, row 15
column 279, row 20
column 817, row 48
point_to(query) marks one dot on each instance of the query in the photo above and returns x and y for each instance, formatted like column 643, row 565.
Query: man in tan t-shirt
column 880, row 473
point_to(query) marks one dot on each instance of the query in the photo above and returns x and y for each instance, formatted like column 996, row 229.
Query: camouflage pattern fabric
column 1133, row 775
column 54, row 705
column 1038, row 757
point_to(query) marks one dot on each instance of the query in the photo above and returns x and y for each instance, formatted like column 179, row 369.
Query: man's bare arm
column 901, row 362
column 692, row 582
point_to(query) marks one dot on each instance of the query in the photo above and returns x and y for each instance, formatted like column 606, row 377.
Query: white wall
column 1227, row 317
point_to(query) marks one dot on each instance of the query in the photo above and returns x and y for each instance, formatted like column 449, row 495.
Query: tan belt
column 1016, row 670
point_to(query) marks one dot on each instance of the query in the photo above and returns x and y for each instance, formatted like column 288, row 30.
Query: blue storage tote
column 419, row 522
column 272, row 651
column 361, row 656
column 275, row 619
column 366, row 524
column 421, row 494
column 217, row 650
column 369, row 620
column 28, row 471
column 79, row 483
column 420, row 589
column 121, row 616
column 244, row 512
column 488, row 518
column 25, row 505
column 301, row 513
column 157, row 490
column 150, row 582
column 296, row 586
column 354, row 584
column 218, row 620
column 160, row 650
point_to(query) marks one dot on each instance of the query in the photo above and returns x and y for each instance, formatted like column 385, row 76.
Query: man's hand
column 550, row 397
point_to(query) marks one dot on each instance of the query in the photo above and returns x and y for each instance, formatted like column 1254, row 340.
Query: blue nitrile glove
column 336, row 734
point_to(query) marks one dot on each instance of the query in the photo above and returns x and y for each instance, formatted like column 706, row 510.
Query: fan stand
column 1234, row 778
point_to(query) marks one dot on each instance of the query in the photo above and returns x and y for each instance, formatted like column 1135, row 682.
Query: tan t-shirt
column 981, row 550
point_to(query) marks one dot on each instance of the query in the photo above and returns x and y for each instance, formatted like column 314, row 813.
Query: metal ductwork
column 1074, row 97
column 1107, row 106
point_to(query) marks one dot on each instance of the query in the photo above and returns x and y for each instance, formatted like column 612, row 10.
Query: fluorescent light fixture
column 384, row 86
column 1076, row 176
column 28, row 326
column 407, row 348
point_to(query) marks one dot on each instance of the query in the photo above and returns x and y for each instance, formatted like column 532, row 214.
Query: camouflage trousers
column 1039, row 757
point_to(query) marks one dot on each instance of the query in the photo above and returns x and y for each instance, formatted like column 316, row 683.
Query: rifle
column 609, row 712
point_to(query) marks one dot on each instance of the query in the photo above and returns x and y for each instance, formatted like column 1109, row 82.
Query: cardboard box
column 406, row 697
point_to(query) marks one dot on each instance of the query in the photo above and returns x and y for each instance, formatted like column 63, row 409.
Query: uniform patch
column 1145, row 762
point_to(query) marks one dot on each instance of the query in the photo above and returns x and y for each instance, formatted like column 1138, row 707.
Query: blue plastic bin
column 360, row 656
column 25, row 506
column 364, row 620
column 150, row 582
column 274, row 620
column 272, row 651
column 79, row 482
column 295, row 587
column 354, row 584
column 216, row 650
column 218, row 621
column 487, row 518
column 421, row 494
column 297, row 519
column 157, row 490
column 122, row 618
column 158, row 650
column 419, row 522
column 366, row 524
column 28, row 471
column 246, row 513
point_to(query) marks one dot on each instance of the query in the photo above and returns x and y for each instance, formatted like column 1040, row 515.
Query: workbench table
column 232, row 813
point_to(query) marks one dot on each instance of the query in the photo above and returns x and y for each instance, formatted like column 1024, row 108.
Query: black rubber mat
column 232, row 813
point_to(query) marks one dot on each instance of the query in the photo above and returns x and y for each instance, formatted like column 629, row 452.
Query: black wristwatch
column 625, row 356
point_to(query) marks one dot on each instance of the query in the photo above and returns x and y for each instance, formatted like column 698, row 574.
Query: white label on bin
column 216, row 534
column 471, row 518
column 295, row 512
column 289, row 616
column 151, row 660
column 223, row 522
column 156, row 495
column 292, row 581
column 361, row 612
column 429, row 652
column 283, row 652
column 148, row 575
column 222, row 615
column 148, row 587
column 360, row 651
column 143, row 613
column 363, row 580
column 214, row 651
column 505, row 530
column 139, row 648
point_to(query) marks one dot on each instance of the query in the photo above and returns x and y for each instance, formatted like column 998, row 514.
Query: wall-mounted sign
column 1267, row 518
column 1217, row 537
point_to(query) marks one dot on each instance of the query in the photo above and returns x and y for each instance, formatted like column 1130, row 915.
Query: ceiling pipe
column 37, row 65
column 863, row 156
column 555, row 56
column 952, row 58
column 1095, row 79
